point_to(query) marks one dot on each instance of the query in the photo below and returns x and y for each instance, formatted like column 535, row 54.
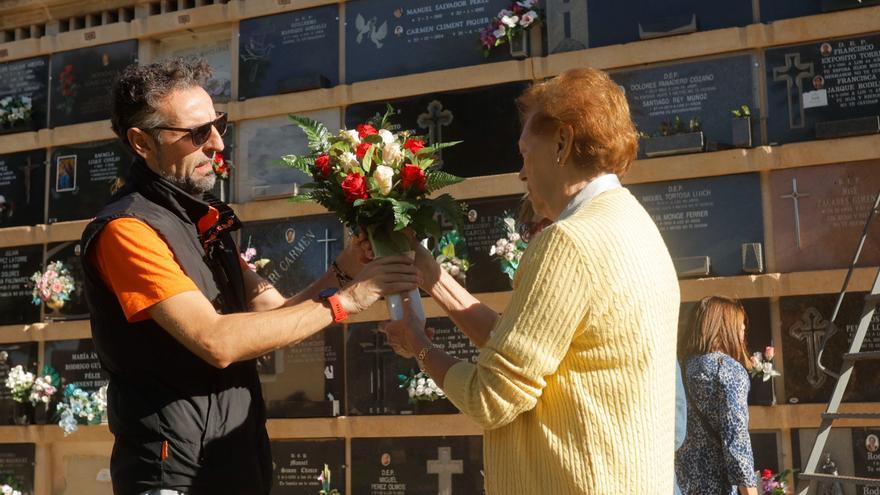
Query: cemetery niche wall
column 22, row 188
column 24, row 91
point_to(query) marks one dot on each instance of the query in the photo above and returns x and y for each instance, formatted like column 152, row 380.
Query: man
column 177, row 320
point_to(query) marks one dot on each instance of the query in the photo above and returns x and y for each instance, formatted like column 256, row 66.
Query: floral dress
column 717, row 453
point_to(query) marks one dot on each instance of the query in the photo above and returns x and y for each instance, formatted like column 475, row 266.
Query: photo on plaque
column 824, row 89
column 296, row 251
column 65, row 173
column 81, row 80
column 260, row 173
column 297, row 465
column 687, row 107
column 293, row 51
column 804, row 328
column 459, row 116
column 612, row 23
column 17, row 466
column 17, row 265
column 387, row 38
column 307, row 379
column 819, row 214
column 215, row 47
column 712, row 226
column 24, row 91
column 22, row 354
column 84, row 177
column 417, row 465
column 22, row 188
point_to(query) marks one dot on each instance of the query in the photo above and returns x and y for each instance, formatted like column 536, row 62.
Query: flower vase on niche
column 55, row 306
column 23, row 413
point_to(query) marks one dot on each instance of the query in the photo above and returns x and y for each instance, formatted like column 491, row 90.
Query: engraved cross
column 444, row 467
column 793, row 74
column 795, row 196
column 326, row 241
column 811, row 330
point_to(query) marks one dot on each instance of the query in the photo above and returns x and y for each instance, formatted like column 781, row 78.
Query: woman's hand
column 407, row 336
column 380, row 277
column 357, row 253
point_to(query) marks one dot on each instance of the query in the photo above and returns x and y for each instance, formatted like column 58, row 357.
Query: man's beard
column 191, row 185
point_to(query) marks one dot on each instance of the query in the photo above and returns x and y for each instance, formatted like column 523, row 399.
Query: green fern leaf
column 438, row 180
column 316, row 133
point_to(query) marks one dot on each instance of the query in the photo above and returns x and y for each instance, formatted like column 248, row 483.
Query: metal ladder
column 849, row 359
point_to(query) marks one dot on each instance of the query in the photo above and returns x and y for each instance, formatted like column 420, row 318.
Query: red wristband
column 339, row 313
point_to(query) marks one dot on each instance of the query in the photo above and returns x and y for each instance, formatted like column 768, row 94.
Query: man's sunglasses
column 201, row 133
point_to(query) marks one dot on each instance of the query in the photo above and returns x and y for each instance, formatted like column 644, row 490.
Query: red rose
column 355, row 187
column 411, row 175
column 414, row 145
column 322, row 166
column 766, row 474
column 361, row 150
column 365, row 130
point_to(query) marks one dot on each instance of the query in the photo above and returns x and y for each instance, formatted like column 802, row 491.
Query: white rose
column 499, row 33
column 501, row 243
column 513, row 237
column 387, row 136
column 6, row 489
column 349, row 161
column 392, row 155
column 352, row 137
column 510, row 20
column 420, row 390
column 528, row 18
column 384, row 178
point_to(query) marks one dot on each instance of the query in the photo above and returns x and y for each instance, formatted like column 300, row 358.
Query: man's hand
column 380, row 277
column 407, row 336
column 357, row 253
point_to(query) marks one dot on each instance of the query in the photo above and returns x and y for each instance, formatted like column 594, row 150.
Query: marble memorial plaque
column 386, row 38
column 17, row 265
column 307, row 379
column 28, row 78
column 75, row 308
column 82, row 178
column 821, row 83
column 76, row 362
column 299, row 249
column 707, row 218
column 707, row 90
column 804, row 325
column 293, row 51
column 774, row 11
column 12, row 355
column 837, row 456
column 262, row 143
column 22, row 188
column 375, row 373
column 482, row 229
column 866, row 456
column 215, row 47
column 17, row 465
column 298, row 463
column 612, row 23
column 422, row 465
column 459, row 116
column 81, row 81
column 566, row 25
column 765, row 450
column 819, row 214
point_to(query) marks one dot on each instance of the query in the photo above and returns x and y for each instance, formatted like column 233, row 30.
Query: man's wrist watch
column 330, row 297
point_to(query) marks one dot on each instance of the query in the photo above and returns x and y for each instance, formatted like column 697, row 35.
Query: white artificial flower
column 513, row 237
column 6, row 489
column 392, row 155
column 387, row 136
column 492, row 251
column 349, row 161
column 528, row 18
column 420, row 390
column 384, row 178
column 502, row 243
column 510, row 256
column 454, row 271
column 412, row 393
column 499, row 33
column 505, row 13
column 510, row 20
column 510, row 223
column 352, row 137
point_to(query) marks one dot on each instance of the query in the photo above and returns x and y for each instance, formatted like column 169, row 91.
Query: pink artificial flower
column 56, row 286
column 769, row 352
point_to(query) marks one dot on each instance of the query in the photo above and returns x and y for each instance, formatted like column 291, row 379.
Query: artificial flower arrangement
column 378, row 182
column 420, row 387
column 53, row 286
column 9, row 488
column 452, row 256
column 509, row 249
column 221, row 166
column 79, row 407
column 509, row 23
column 253, row 264
column 773, row 484
column 15, row 109
column 762, row 364
column 324, row 478
column 24, row 386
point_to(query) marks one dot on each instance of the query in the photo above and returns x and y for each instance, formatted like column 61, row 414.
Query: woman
column 574, row 384
column 716, row 457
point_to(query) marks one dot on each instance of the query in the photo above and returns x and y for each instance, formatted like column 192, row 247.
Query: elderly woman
column 575, row 382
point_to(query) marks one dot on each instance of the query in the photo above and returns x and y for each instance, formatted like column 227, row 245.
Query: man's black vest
column 213, row 420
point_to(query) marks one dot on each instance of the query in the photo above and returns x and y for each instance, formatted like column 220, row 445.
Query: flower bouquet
column 221, row 166
column 509, row 249
column 510, row 23
column 254, row 265
column 420, row 387
column 377, row 182
column 30, row 390
column 773, row 484
column 324, row 478
column 9, row 488
column 81, row 407
column 53, row 286
column 452, row 256
column 15, row 109
column 762, row 364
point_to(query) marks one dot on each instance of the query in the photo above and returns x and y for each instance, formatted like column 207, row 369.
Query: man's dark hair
column 139, row 89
